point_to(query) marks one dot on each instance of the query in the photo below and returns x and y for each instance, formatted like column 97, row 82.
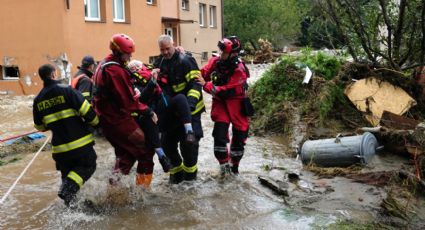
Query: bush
column 280, row 92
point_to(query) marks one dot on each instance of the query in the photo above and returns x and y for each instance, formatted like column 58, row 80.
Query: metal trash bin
column 340, row 151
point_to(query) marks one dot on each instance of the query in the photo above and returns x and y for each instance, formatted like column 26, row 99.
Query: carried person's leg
column 151, row 131
column 169, row 141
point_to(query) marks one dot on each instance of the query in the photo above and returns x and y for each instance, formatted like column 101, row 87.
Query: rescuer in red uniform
column 116, row 106
column 225, row 78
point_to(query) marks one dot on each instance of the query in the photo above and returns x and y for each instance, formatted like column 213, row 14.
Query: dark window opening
column 204, row 56
column 10, row 72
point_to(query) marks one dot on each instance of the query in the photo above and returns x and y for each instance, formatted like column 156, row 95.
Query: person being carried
column 225, row 77
column 68, row 115
column 82, row 80
column 149, row 92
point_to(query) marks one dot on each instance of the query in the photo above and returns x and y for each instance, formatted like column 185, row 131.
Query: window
column 169, row 31
column 213, row 16
column 119, row 11
column 92, row 10
column 10, row 72
column 202, row 14
column 151, row 2
column 185, row 4
column 204, row 56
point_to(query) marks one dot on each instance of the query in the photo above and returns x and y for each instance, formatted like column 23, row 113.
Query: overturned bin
column 340, row 151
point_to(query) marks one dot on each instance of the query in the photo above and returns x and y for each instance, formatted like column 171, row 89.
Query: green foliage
column 275, row 20
column 389, row 33
column 281, row 85
column 330, row 94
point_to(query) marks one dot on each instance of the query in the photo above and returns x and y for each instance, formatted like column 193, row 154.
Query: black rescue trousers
column 184, row 163
column 151, row 131
column 76, row 167
column 175, row 113
column 237, row 145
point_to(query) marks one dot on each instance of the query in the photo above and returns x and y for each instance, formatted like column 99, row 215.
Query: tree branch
column 387, row 21
column 399, row 29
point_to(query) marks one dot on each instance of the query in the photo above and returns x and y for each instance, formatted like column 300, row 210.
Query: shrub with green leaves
column 275, row 94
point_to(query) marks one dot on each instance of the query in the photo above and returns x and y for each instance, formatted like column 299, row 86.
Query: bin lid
column 368, row 147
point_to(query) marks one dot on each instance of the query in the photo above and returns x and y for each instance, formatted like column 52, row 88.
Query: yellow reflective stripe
column 134, row 114
column 40, row 127
column 59, row 115
column 179, row 87
column 86, row 94
column 199, row 107
column 74, row 144
column 194, row 93
column 84, row 107
column 177, row 169
column 140, row 77
column 95, row 121
column 76, row 178
column 190, row 169
column 192, row 75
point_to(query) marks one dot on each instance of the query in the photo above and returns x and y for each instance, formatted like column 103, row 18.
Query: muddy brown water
column 208, row 203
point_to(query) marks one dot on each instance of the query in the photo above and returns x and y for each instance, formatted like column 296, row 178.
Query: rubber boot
column 143, row 180
column 224, row 170
column 190, row 176
column 177, row 177
column 68, row 192
column 235, row 169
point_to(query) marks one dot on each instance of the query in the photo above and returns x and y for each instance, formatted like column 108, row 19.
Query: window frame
column 202, row 12
column 88, row 17
column 213, row 15
column 185, row 5
column 3, row 72
column 115, row 19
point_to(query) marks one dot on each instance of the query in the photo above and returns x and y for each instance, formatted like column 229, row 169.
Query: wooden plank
column 394, row 121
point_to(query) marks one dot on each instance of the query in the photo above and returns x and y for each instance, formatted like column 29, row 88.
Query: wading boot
column 190, row 176
column 235, row 169
column 143, row 180
column 68, row 192
column 177, row 177
column 224, row 170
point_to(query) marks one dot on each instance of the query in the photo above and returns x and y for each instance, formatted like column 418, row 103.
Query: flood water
column 209, row 203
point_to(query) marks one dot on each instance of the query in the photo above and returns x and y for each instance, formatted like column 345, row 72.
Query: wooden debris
column 394, row 121
column 277, row 186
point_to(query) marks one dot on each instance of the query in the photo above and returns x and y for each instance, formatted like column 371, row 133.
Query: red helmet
column 122, row 43
column 230, row 44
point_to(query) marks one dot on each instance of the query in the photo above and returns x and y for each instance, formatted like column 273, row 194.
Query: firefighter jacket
column 67, row 114
column 178, row 76
column 114, row 100
column 225, row 79
column 83, row 83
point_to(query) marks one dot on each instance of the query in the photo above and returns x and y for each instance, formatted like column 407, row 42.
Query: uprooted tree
column 384, row 32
